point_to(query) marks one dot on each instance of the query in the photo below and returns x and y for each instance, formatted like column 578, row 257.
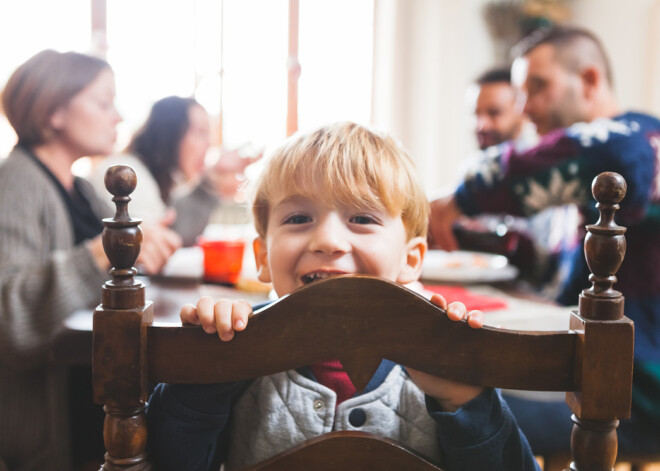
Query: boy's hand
column 224, row 317
column 449, row 394
column 457, row 311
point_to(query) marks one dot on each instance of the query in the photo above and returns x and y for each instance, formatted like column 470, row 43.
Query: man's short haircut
column 495, row 75
column 574, row 47
column 346, row 163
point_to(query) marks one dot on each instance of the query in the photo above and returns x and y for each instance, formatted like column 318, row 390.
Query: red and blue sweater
column 560, row 170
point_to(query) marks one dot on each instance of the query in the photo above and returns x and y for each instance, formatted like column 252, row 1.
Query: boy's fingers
column 188, row 315
column 240, row 313
column 223, row 319
column 205, row 313
column 456, row 311
column 439, row 300
column 475, row 319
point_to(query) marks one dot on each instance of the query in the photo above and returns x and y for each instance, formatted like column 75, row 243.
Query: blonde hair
column 346, row 163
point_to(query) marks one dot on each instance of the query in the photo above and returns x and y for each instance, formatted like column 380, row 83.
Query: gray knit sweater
column 43, row 279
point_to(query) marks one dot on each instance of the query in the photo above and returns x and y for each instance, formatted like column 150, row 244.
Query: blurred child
column 340, row 200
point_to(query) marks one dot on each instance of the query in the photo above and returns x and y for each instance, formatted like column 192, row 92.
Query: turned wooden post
column 119, row 334
column 599, row 320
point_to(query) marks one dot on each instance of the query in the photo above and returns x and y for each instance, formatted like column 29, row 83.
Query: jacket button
column 357, row 417
column 318, row 404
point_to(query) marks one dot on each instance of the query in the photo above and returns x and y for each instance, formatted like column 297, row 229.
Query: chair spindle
column 594, row 439
column 122, row 317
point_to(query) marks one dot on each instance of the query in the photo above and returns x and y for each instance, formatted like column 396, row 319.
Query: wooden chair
column 361, row 320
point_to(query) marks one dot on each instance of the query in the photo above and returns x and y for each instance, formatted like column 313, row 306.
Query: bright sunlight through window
column 232, row 55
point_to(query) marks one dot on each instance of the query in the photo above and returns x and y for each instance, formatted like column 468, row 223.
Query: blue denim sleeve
column 482, row 434
column 188, row 424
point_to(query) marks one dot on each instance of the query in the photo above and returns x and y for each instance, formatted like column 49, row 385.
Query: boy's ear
column 411, row 268
column 261, row 258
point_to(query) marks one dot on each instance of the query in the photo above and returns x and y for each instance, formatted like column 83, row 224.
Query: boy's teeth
column 315, row 276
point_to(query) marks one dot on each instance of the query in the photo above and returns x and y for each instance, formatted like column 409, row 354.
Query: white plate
column 186, row 262
column 466, row 267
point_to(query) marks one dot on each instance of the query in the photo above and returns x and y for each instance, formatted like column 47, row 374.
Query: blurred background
column 266, row 68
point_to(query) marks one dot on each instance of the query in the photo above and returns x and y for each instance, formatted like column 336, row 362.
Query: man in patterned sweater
column 566, row 76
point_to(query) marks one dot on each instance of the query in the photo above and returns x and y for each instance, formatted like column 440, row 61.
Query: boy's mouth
column 319, row 275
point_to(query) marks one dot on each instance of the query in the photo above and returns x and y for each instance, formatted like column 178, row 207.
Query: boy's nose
column 330, row 236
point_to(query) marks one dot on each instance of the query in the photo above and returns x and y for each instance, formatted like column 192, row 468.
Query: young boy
column 340, row 200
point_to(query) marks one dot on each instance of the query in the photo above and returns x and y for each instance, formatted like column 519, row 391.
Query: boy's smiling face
column 306, row 241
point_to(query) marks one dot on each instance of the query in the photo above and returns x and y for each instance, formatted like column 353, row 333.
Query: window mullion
column 293, row 70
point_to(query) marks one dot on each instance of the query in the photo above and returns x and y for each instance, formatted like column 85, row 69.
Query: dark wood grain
column 345, row 450
column 119, row 335
column 605, row 353
column 361, row 320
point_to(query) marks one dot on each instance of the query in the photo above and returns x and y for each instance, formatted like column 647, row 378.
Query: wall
column 426, row 53
column 630, row 32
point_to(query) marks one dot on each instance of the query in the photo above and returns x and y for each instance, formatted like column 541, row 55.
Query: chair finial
column 604, row 249
column 122, row 236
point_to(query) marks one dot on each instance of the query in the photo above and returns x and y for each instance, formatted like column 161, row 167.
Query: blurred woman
column 168, row 155
column 61, row 106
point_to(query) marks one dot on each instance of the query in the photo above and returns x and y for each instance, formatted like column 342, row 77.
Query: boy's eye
column 297, row 219
column 363, row 219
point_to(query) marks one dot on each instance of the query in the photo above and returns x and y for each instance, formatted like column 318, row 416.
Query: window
column 336, row 55
column 232, row 55
column 28, row 28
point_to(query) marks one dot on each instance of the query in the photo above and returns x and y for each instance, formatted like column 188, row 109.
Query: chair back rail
column 346, row 450
column 361, row 320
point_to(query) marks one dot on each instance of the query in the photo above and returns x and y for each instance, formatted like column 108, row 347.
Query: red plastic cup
column 223, row 260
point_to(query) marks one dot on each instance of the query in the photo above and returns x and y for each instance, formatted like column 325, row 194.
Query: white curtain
column 426, row 53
